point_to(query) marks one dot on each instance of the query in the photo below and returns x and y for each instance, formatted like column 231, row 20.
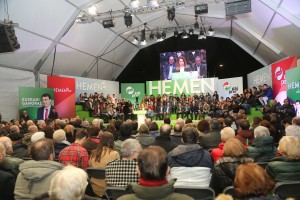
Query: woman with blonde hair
column 100, row 157
column 224, row 172
column 287, row 166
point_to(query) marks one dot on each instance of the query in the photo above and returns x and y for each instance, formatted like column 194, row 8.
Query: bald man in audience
column 176, row 134
column 164, row 139
column 7, row 179
column 35, row 175
column 296, row 121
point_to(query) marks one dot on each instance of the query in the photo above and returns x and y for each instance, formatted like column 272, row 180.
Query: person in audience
column 164, row 139
column 19, row 149
column 252, row 182
column 119, row 173
column 293, row 130
column 262, row 148
column 255, row 122
column 93, row 139
column 27, row 137
column 224, row 172
column 24, row 116
column 75, row 154
column 68, row 183
column 286, row 167
column 153, row 169
column 89, row 106
column 287, row 109
column 226, row 134
column 125, row 133
column 36, row 174
column 144, row 137
column 153, row 129
column 212, row 139
column 180, row 111
column 296, row 121
column 103, row 154
column 176, row 134
column 60, row 141
column 267, row 95
column 190, row 163
column 245, row 134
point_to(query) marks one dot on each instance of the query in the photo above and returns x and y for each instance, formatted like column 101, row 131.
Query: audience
column 35, row 175
column 125, row 133
column 212, row 139
column 153, row 169
column 164, row 139
column 119, row 173
column 190, row 163
column 293, row 130
column 75, row 154
column 60, row 141
column 144, row 137
column 252, row 182
column 153, row 128
column 244, row 134
column 176, row 134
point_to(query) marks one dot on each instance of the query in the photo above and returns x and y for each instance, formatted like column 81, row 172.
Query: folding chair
column 112, row 193
column 229, row 190
column 198, row 193
column 284, row 190
column 98, row 173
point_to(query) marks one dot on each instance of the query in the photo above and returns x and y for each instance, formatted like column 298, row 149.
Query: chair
column 113, row 193
column 229, row 190
column 262, row 164
column 284, row 190
column 98, row 173
column 198, row 193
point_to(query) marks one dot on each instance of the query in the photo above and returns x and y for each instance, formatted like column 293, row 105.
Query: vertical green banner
column 132, row 90
column 30, row 99
column 293, row 84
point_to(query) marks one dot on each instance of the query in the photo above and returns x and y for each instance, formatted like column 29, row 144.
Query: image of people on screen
column 47, row 111
column 181, row 65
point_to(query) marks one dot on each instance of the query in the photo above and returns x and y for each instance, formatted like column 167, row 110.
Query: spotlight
column 153, row 3
column 92, row 10
column 128, row 19
column 135, row 40
column 184, row 34
column 175, row 33
column 163, row 35
column 108, row 23
column 191, row 31
column 171, row 13
column 201, row 34
column 196, row 25
column 134, row 4
column 200, row 9
column 210, row 31
column 151, row 36
column 159, row 37
column 143, row 37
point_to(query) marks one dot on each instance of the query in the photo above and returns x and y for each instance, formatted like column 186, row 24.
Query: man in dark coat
column 212, row 139
column 164, row 139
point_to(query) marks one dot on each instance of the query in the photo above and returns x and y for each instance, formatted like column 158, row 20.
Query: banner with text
column 189, row 87
column 279, row 77
column 229, row 86
column 260, row 77
column 133, row 91
column 90, row 86
column 293, row 87
column 30, row 99
column 64, row 95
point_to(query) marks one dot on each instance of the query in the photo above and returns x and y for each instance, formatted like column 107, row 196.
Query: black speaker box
column 8, row 39
column 234, row 7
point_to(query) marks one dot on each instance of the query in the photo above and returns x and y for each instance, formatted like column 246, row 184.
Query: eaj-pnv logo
column 130, row 91
column 226, row 86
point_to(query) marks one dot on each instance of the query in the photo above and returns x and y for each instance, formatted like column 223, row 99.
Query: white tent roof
column 269, row 33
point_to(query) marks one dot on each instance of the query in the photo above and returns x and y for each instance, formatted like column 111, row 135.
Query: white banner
column 260, row 77
column 229, row 86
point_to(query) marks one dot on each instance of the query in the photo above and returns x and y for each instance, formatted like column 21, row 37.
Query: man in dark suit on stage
column 47, row 111
column 200, row 68
column 169, row 68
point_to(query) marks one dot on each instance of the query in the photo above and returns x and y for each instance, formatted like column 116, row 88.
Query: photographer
column 287, row 109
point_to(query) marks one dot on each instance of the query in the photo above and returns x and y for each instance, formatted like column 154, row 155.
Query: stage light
column 134, row 4
column 135, row 40
column 171, row 13
column 184, row 34
column 92, row 10
column 210, row 31
column 163, row 35
column 175, row 33
column 153, row 3
column 158, row 37
column 196, row 24
column 191, row 31
column 143, row 37
column 128, row 19
column 151, row 36
column 108, row 23
column 200, row 9
column 201, row 34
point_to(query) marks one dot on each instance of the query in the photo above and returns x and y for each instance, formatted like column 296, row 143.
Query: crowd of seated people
column 33, row 153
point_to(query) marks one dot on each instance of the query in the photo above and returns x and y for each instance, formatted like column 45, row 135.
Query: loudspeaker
column 200, row 9
column 108, row 23
column 234, row 7
column 8, row 39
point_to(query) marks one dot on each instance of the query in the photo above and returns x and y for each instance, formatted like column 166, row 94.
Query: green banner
column 30, row 99
column 132, row 90
column 189, row 87
column 293, row 84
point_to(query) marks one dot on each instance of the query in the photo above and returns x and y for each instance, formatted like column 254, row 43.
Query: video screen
column 189, row 64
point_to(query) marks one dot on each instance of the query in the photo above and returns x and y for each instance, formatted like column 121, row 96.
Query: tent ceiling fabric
column 269, row 33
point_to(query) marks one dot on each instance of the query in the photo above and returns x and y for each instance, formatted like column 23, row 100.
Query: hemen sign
column 189, row 87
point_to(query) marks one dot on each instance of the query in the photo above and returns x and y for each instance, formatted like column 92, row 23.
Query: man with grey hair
column 296, row 121
column 119, row 173
column 180, row 121
column 212, row 139
column 164, row 139
column 293, row 130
